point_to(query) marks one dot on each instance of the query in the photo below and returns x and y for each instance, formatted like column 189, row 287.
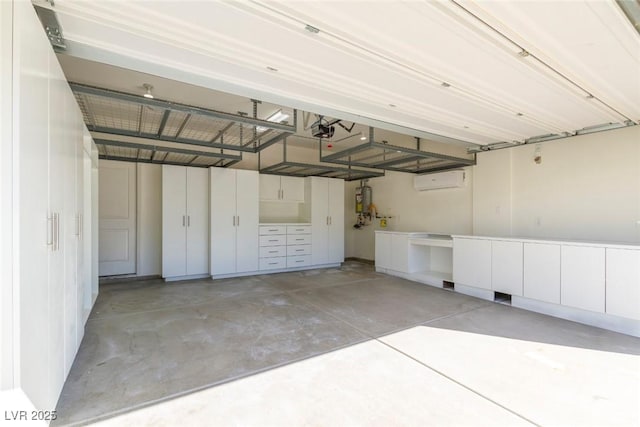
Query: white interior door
column 117, row 216
column 223, row 221
column 197, row 221
column 247, row 221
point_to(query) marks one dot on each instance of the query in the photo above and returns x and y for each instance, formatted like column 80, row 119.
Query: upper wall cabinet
column 275, row 188
column 185, row 221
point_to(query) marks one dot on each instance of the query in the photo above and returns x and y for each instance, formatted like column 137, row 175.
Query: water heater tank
column 363, row 199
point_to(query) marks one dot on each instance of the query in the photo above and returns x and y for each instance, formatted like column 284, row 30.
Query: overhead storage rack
column 123, row 114
column 379, row 155
column 286, row 167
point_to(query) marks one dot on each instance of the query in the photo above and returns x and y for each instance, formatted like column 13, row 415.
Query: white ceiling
column 384, row 63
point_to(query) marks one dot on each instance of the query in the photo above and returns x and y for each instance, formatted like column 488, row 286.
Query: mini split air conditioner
column 434, row 181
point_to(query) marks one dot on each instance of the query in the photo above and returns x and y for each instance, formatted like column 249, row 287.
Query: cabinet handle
column 56, row 232
column 50, row 230
column 273, row 240
column 330, row 221
column 297, row 240
column 238, row 222
column 273, row 252
column 327, row 220
column 188, row 220
column 273, row 229
column 183, row 220
column 77, row 220
column 300, row 260
column 299, row 250
column 273, row 263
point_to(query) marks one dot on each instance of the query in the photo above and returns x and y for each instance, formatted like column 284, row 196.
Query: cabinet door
column 506, row 267
column 542, row 272
column 383, row 250
column 319, row 220
column 583, row 277
column 472, row 262
column 269, row 187
column 197, row 221
column 400, row 252
column 623, row 283
column 174, row 221
column 292, row 188
column 336, row 220
column 223, row 220
column 247, row 221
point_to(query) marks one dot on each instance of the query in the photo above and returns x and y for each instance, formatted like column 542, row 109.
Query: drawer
column 298, row 261
column 273, row 263
column 273, row 251
column 298, row 250
column 298, row 229
column 267, row 230
column 279, row 240
column 299, row 239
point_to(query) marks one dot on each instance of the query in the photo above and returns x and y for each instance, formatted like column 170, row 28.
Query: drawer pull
column 300, row 260
column 299, row 239
column 273, row 252
column 273, row 240
column 299, row 250
column 273, row 229
column 273, row 263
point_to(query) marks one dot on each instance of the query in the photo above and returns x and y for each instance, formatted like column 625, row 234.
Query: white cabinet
column 400, row 253
column 472, row 262
column 582, row 271
column 48, row 190
column 327, row 219
column 281, row 188
column 185, row 221
column 542, row 272
column 506, row 267
column 285, row 246
column 623, row 282
column 383, row 250
column 234, row 221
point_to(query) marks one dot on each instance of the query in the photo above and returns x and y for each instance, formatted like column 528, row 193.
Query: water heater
column 363, row 199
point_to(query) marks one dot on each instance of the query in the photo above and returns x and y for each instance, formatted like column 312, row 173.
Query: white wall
column 149, row 217
column 446, row 211
column 586, row 187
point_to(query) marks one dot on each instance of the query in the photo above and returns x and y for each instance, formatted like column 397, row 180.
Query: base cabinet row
column 601, row 279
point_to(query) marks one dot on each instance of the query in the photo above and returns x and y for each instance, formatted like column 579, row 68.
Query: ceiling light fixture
column 148, row 87
column 445, row 84
column 362, row 137
column 277, row 117
column 311, row 29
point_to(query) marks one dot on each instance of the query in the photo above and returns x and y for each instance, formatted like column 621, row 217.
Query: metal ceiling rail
column 309, row 169
column 385, row 156
column 286, row 167
column 124, row 114
column 147, row 153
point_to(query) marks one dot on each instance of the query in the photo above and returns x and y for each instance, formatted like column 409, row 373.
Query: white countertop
column 623, row 245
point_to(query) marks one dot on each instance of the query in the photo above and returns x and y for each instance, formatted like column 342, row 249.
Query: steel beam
column 167, row 149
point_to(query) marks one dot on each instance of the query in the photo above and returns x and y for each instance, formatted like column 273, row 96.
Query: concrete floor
column 343, row 346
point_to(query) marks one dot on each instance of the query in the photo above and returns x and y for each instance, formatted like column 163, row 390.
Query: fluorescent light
column 277, row 117
column 362, row 137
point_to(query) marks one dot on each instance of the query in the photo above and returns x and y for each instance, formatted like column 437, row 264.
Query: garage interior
column 294, row 213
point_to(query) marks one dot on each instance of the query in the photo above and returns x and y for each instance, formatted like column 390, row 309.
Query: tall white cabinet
column 185, row 222
column 53, row 290
column 327, row 219
column 234, row 221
